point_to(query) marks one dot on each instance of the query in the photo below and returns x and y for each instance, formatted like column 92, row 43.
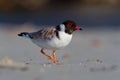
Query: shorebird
column 53, row 38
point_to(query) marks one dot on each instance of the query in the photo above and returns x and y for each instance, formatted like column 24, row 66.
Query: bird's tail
column 25, row 34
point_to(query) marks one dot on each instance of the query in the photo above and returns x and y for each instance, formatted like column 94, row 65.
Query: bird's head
column 69, row 26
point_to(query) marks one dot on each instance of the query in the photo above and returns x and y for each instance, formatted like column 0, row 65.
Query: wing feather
column 44, row 33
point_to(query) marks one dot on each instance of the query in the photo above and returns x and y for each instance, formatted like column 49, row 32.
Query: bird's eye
column 69, row 24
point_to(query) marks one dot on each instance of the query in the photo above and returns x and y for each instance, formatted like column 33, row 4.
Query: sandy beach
column 92, row 55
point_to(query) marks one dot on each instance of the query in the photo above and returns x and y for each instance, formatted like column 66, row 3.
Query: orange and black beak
column 78, row 28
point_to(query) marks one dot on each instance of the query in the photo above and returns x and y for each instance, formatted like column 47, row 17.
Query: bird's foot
column 53, row 59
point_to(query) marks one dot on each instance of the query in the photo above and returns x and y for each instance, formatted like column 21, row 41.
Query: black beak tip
column 81, row 29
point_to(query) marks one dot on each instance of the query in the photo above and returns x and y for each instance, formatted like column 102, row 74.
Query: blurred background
column 93, row 54
column 51, row 12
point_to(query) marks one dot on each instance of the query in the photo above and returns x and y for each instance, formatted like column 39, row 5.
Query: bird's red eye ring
column 69, row 24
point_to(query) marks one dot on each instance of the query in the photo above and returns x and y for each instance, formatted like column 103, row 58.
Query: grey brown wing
column 44, row 33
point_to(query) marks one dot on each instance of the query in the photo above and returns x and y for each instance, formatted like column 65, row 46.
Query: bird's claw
column 53, row 59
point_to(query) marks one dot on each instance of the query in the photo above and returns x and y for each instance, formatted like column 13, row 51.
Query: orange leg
column 54, row 55
column 52, row 58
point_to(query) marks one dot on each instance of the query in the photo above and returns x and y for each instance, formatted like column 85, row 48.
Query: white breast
column 54, row 43
column 64, row 40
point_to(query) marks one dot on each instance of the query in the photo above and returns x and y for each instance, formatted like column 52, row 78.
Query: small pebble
column 99, row 61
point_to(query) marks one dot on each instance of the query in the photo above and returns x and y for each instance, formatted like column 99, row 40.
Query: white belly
column 54, row 43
